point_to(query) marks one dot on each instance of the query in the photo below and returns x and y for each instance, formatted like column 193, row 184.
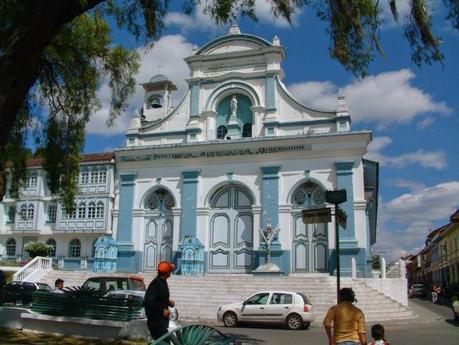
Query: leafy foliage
column 70, row 52
column 376, row 262
column 38, row 249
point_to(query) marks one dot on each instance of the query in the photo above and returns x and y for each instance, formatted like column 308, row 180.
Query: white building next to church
column 39, row 216
column 237, row 153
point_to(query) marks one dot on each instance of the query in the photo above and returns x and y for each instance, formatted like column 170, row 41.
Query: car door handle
column 262, row 307
column 286, row 307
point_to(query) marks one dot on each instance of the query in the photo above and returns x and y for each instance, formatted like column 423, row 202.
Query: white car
column 290, row 308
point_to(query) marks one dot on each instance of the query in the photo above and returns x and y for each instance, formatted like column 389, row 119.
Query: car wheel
column 306, row 325
column 230, row 319
column 294, row 322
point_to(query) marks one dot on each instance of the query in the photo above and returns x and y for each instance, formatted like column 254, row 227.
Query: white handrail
column 38, row 263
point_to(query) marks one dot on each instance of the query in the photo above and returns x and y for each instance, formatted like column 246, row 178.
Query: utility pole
column 337, row 197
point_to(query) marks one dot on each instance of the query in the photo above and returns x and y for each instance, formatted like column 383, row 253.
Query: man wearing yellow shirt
column 347, row 320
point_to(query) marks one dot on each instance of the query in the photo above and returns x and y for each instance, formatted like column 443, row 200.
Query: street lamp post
column 337, row 197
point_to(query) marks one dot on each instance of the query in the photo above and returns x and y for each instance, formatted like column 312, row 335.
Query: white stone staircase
column 198, row 298
column 34, row 270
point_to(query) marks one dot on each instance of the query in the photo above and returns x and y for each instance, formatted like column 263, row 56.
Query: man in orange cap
column 157, row 301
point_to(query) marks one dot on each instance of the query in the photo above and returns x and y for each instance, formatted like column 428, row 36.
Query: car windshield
column 111, row 284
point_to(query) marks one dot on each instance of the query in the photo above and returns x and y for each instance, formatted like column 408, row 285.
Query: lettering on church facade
column 211, row 154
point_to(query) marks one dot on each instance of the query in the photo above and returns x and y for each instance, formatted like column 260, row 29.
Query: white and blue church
column 238, row 153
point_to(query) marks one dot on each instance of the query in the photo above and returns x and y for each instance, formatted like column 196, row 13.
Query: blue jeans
column 349, row 343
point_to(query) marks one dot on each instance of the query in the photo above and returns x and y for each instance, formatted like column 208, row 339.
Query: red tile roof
column 92, row 157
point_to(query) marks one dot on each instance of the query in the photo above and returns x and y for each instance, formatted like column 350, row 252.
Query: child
column 377, row 333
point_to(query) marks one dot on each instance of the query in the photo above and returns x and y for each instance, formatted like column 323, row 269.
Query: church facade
column 239, row 154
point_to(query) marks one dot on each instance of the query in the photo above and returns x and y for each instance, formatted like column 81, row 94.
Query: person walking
column 434, row 293
column 157, row 301
column 347, row 321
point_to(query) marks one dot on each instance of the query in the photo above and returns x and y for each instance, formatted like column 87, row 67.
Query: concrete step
column 198, row 298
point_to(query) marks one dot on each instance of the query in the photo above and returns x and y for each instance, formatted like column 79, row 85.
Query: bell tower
column 157, row 99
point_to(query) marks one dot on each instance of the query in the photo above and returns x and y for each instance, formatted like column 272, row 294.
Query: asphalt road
column 434, row 326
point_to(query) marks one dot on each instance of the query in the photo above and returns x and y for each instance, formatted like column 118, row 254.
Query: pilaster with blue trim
column 188, row 220
column 348, row 243
column 128, row 258
column 344, row 181
column 270, row 196
column 270, row 211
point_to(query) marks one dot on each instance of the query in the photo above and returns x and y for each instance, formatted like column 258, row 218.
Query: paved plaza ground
column 435, row 325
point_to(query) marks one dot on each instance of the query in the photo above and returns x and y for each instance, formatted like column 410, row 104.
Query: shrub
column 38, row 249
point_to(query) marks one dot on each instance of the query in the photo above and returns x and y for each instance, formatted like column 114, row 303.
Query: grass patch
column 13, row 336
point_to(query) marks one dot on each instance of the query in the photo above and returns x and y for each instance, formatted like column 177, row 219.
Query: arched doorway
column 159, row 229
column 310, row 241
column 231, row 231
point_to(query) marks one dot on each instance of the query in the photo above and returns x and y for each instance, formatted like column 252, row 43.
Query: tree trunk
column 34, row 26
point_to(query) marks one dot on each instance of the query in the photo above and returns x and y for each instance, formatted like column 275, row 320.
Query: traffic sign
column 316, row 215
column 336, row 196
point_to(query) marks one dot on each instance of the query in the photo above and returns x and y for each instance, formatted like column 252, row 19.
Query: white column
column 256, row 210
column 402, row 269
column 383, row 268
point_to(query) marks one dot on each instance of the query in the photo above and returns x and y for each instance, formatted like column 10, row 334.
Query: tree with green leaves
column 54, row 54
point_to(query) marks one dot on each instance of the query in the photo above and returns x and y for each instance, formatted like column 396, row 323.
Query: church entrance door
column 158, row 242
column 310, row 252
column 231, row 231
column 159, row 228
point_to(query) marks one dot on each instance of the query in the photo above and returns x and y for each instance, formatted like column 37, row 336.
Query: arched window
column 160, row 200
column 221, row 132
column 247, row 130
column 81, row 210
column 308, row 194
column 11, row 247
column 52, row 242
column 75, row 248
column 155, row 101
column 100, row 210
column 92, row 209
column 23, row 212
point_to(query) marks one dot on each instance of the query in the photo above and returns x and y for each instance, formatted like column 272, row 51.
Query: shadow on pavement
column 244, row 339
column 452, row 322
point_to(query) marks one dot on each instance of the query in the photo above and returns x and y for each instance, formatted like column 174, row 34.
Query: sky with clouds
column 412, row 112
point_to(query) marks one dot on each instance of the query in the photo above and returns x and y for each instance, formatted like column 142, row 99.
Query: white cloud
column 413, row 186
column 405, row 221
column 403, row 9
column 425, row 123
column 429, row 204
column 195, row 21
column 384, row 98
column 165, row 57
column 264, row 13
column 426, row 159
column 199, row 21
